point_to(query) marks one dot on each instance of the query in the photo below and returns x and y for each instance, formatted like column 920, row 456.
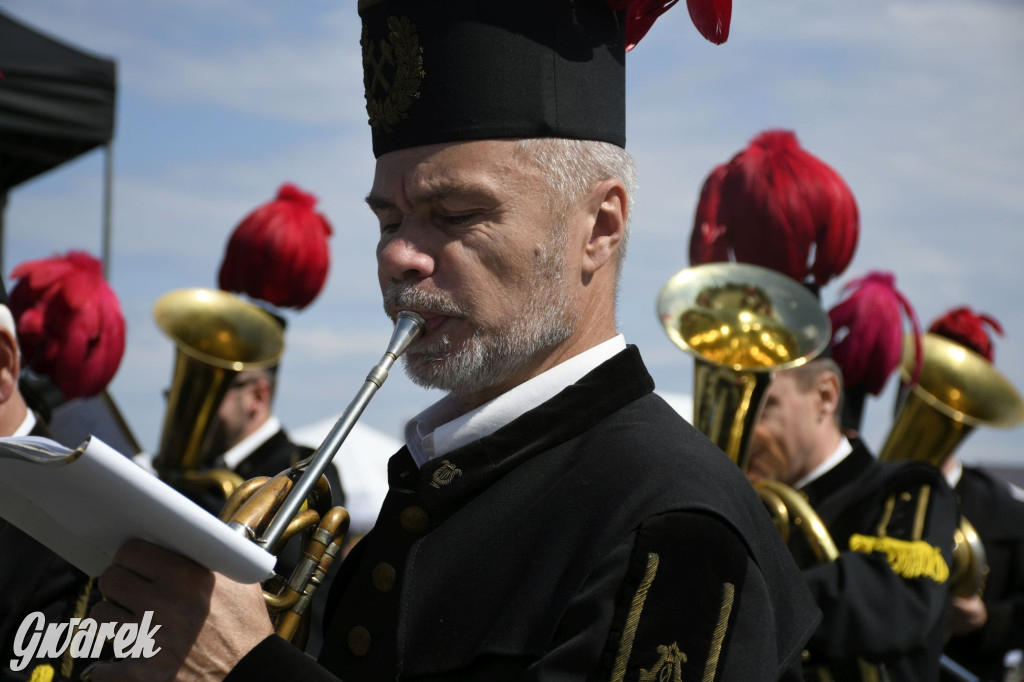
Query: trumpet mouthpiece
column 408, row 326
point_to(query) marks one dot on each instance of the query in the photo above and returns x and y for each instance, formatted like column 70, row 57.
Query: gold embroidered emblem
column 445, row 474
column 908, row 558
column 392, row 73
column 669, row 667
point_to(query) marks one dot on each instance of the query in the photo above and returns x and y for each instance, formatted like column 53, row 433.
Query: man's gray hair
column 573, row 167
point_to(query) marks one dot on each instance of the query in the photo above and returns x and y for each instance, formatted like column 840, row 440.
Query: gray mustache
column 398, row 296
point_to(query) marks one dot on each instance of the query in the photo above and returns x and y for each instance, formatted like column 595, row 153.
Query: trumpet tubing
column 270, row 511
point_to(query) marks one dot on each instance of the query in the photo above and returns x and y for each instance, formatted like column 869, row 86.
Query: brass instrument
column 741, row 323
column 957, row 390
column 271, row 511
column 216, row 336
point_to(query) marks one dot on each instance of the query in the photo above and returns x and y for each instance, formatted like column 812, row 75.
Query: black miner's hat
column 451, row 70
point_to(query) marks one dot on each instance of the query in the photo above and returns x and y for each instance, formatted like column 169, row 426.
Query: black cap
column 453, row 70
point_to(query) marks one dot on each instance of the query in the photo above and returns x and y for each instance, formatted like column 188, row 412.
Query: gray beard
column 490, row 356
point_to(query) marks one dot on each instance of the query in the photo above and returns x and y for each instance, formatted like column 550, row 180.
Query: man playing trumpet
column 551, row 518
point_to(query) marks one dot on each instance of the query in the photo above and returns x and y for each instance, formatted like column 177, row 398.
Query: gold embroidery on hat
column 669, row 667
column 445, row 474
column 392, row 73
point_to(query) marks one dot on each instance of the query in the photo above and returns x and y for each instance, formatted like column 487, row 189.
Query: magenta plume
column 867, row 332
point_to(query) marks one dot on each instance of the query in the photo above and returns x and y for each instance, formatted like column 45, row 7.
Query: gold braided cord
column 633, row 619
column 728, row 595
column 922, row 511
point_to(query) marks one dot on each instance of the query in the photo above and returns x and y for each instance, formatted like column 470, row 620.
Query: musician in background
column 884, row 598
column 32, row 577
column 551, row 517
column 985, row 627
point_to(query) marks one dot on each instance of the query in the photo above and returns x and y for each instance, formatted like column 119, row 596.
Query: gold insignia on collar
column 444, row 474
column 392, row 73
column 669, row 667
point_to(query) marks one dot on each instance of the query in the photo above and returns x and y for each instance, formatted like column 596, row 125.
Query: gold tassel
column 42, row 673
column 910, row 559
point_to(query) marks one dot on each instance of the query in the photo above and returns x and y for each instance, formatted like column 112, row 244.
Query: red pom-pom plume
column 279, row 252
column 707, row 241
column 711, row 17
column 968, row 328
column 778, row 204
column 69, row 321
column 867, row 332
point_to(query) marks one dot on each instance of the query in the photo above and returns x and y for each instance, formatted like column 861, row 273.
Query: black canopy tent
column 56, row 103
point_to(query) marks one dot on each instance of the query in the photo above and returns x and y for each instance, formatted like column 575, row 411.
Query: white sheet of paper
column 85, row 507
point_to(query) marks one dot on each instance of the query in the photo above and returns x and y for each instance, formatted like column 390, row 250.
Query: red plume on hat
column 711, row 17
column 968, row 328
column 778, row 206
column 707, row 241
column 279, row 252
column 867, row 331
column 69, row 321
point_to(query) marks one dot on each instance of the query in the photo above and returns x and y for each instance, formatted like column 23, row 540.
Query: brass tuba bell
column 216, row 335
column 957, row 390
column 741, row 323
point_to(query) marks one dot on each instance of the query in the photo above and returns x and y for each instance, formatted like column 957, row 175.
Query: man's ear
column 827, row 386
column 607, row 227
column 10, row 366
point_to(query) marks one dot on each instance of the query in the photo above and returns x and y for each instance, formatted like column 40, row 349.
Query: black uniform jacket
column 999, row 519
column 33, row 578
column 596, row 537
column 884, row 599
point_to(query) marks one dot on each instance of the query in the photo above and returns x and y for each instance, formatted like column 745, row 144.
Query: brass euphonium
column 957, row 391
column 270, row 511
column 216, row 336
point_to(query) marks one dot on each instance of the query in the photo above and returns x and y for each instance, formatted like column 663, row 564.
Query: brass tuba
column 741, row 323
column 216, row 336
column 957, row 391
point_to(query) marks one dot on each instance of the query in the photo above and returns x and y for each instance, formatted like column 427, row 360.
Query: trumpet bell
column 957, row 391
column 216, row 335
column 741, row 323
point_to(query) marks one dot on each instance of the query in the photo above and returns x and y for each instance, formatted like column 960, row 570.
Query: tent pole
column 108, row 174
column 3, row 237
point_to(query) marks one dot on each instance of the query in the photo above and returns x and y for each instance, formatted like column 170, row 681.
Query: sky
column 916, row 103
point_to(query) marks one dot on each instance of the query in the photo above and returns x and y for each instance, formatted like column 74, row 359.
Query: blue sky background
column 917, row 103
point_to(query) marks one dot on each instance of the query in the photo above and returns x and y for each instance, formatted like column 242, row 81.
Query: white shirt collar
column 243, row 448
column 442, row 427
column 954, row 475
column 27, row 424
column 842, row 450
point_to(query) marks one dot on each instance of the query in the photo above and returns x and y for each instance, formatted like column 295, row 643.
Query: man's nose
column 405, row 255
